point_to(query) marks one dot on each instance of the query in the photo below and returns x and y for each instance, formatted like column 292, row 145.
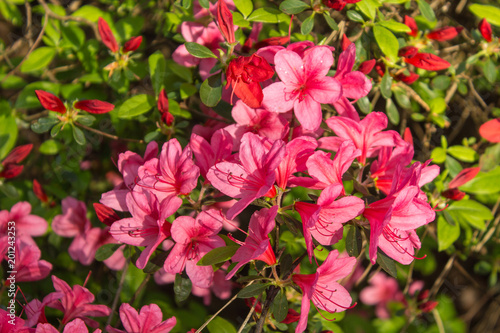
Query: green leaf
column 135, row 106
column 355, row 16
column 199, row 51
column 56, row 129
column 187, row 90
column 268, row 15
column 464, row 154
column 441, row 82
column 447, row 233
column 50, row 147
column 211, row 91
column 354, row 241
column 157, row 71
column 307, row 25
column 490, row 13
column 471, row 212
column 253, row 290
column 292, row 7
column 364, row 105
column 241, row 22
column 438, row 155
column 330, row 21
column 387, row 42
column 484, row 183
column 79, row 136
column 9, row 190
column 39, row 59
column 438, row 105
column 279, row 306
column 43, row 124
column 244, row 6
column 10, row 12
column 106, row 251
column 218, row 255
column 490, row 71
column 395, row 26
column 220, row 325
column 74, row 35
column 426, row 10
column 182, row 288
column 385, row 86
column 206, row 4
column 8, row 134
column 85, row 119
column 91, row 13
column 402, row 98
column 392, row 112
column 387, row 264
column 368, row 7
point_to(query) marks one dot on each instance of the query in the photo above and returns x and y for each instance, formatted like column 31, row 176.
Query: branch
column 113, row 137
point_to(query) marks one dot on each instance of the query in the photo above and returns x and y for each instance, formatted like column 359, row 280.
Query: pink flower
column 149, row 320
column 366, row 134
column 76, row 303
column 28, row 265
column 147, row 226
column 194, row 238
column 25, row 223
column 322, row 288
column 304, row 85
column 253, row 177
column 382, row 290
column 75, row 326
column 208, row 36
column 297, row 153
column 207, row 155
column 257, row 245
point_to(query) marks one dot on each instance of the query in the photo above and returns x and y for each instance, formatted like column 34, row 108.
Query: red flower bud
column 272, row 41
column 485, row 29
column 444, row 34
column 39, row 192
column 453, row 194
column 94, row 106
column 345, row 42
column 490, row 130
column 291, row 317
column 11, row 171
column 338, row 4
column 423, row 295
column 107, row 35
column 410, row 22
column 132, row 44
column 17, row 154
column 50, row 101
column 464, row 176
column 366, row 66
column 407, row 136
column 428, row 306
column 408, row 79
column 163, row 102
column 105, row 214
column 244, row 75
column 380, row 68
column 225, row 21
column 407, row 51
column 428, row 61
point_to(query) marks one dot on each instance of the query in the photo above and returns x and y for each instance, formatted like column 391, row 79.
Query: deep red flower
column 244, row 75
column 463, row 177
column 485, row 30
column 338, row 4
column 132, row 44
column 225, row 21
column 166, row 116
column 366, row 66
column 39, row 192
column 272, row 41
column 428, row 61
column 94, row 106
column 444, row 34
column 345, row 42
column 408, row 51
column 410, row 22
column 107, row 35
column 408, row 79
column 50, row 101
column 10, row 167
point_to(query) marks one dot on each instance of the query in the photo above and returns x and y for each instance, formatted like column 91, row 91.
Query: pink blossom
column 25, row 223
column 366, row 134
column 257, row 245
column 194, row 238
column 297, row 153
column 75, row 326
column 28, row 265
column 6, row 324
column 199, row 12
column 147, row 226
column 149, row 320
column 207, row 155
column 304, row 85
column 253, row 177
column 208, row 36
column 382, row 290
column 76, row 303
column 322, row 288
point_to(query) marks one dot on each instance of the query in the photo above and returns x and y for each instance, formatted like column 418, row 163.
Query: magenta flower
column 76, row 325
column 297, row 153
column 322, row 289
column 28, row 265
column 382, row 290
column 251, row 179
column 366, row 134
column 257, row 245
column 147, row 226
column 26, row 224
column 207, row 155
column 76, row 303
column 304, row 85
column 149, row 320
column 194, row 238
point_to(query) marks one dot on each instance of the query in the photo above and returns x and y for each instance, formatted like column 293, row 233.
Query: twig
column 242, row 327
column 476, row 95
column 118, row 292
column 414, row 95
column 114, row 137
column 143, row 284
column 439, row 322
column 442, row 276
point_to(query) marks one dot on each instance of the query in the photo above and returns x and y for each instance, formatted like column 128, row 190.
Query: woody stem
column 118, row 292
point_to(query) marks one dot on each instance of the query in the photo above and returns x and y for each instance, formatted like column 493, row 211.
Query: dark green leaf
column 387, row 264
column 354, row 241
column 106, row 251
column 74, row 35
column 355, row 16
column 286, row 263
column 211, row 91
column 86, row 119
column 8, row 134
column 402, row 98
column 426, row 10
column 392, row 112
column 385, row 86
column 279, row 306
column 307, row 25
column 157, row 71
column 205, row 3
column 218, row 255
column 364, row 105
column 199, row 51
column 78, row 135
column 253, row 290
column 330, row 21
column 156, row 262
column 293, row 6
column 490, row 71
column 56, row 129
column 9, row 190
column 182, row 288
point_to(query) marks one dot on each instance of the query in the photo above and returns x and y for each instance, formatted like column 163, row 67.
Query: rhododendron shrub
column 291, row 166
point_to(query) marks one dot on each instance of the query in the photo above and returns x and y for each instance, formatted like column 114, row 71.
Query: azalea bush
column 240, row 166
